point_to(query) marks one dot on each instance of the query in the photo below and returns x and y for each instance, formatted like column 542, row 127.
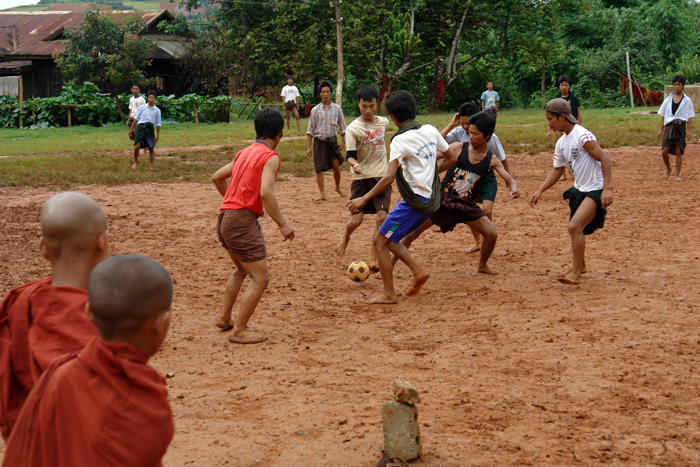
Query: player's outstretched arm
column 456, row 148
column 449, row 159
column 354, row 205
column 551, row 179
column 597, row 153
column 267, row 184
column 221, row 176
column 510, row 181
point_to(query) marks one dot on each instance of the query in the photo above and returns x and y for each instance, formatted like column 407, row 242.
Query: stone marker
column 400, row 420
column 405, row 392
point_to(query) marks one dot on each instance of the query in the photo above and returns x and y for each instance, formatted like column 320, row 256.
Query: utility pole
column 339, row 34
column 629, row 79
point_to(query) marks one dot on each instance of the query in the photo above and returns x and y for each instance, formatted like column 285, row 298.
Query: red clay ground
column 515, row 369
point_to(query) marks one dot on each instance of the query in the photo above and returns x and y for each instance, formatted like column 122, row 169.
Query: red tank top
column 243, row 190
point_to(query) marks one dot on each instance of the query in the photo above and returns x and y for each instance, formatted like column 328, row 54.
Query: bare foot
column 384, row 300
column 322, row 198
column 418, row 284
column 474, row 248
column 246, row 337
column 340, row 249
column 678, row 179
column 571, row 279
column 378, row 276
column 134, row 166
column 152, row 168
column 374, row 268
column 224, row 324
column 340, row 192
column 487, row 270
column 665, row 175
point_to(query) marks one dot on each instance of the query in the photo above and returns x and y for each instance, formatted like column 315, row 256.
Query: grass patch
column 65, row 172
column 66, row 157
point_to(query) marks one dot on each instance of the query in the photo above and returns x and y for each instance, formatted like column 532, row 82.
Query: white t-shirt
column 290, row 93
column 134, row 104
column 458, row 135
column 588, row 174
column 416, row 151
column 368, row 140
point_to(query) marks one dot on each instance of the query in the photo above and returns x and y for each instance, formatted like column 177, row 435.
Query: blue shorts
column 403, row 220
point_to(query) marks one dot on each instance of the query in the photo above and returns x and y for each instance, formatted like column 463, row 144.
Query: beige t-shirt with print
column 368, row 140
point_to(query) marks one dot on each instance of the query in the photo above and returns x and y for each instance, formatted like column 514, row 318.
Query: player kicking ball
column 592, row 191
column 413, row 163
column 368, row 162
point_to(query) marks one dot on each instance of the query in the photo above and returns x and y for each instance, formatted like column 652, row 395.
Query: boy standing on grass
column 147, row 117
column 413, row 162
column 458, row 132
column 490, row 100
column 325, row 122
column 592, row 191
column 135, row 103
column 676, row 110
column 252, row 173
column 564, row 85
column 290, row 101
column 367, row 158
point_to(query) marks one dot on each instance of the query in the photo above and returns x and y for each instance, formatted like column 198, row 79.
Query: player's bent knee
column 491, row 235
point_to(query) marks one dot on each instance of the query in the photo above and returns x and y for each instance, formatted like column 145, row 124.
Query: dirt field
column 514, row 369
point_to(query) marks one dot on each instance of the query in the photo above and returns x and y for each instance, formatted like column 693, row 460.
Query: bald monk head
column 74, row 237
column 129, row 301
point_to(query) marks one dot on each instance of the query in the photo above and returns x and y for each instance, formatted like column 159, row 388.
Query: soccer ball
column 358, row 271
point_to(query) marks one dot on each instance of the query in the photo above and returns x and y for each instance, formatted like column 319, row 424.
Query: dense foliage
column 421, row 45
column 89, row 106
column 106, row 47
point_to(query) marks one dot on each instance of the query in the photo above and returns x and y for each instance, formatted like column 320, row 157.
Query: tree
column 106, row 48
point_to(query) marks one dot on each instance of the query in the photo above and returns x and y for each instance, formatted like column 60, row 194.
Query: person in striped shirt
column 326, row 121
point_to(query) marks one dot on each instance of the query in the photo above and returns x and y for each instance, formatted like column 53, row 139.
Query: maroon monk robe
column 38, row 322
column 102, row 406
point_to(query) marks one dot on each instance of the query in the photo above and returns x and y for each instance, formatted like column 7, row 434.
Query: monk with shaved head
column 46, row 319
column 103, row 405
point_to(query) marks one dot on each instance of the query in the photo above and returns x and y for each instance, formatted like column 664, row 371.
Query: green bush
column 96, row 108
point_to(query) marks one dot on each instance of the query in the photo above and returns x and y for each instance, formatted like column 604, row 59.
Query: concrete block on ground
column 401, row 431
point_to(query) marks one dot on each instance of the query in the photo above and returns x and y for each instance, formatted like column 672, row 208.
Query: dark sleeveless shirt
column 674, row 106
column 465, row 168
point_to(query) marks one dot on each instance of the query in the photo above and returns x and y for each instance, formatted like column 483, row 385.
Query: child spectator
column 490, row 100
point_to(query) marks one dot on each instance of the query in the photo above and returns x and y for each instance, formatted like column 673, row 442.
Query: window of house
column 56, row 85
column 160, row 84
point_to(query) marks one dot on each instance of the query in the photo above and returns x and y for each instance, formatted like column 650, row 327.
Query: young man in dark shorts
column 325, row 122
column 252, row 173
column 147, row 120
column 457, row 131
column 463, row 184
column 676, row 111
column 592, row 191
column 368, row 163
column 413, row 163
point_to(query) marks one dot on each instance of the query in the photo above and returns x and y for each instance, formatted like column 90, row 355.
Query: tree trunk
column 544, row 68
column 119, row 108
column 433, row 105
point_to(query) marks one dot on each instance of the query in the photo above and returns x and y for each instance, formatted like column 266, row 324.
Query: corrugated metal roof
column 24, row 34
